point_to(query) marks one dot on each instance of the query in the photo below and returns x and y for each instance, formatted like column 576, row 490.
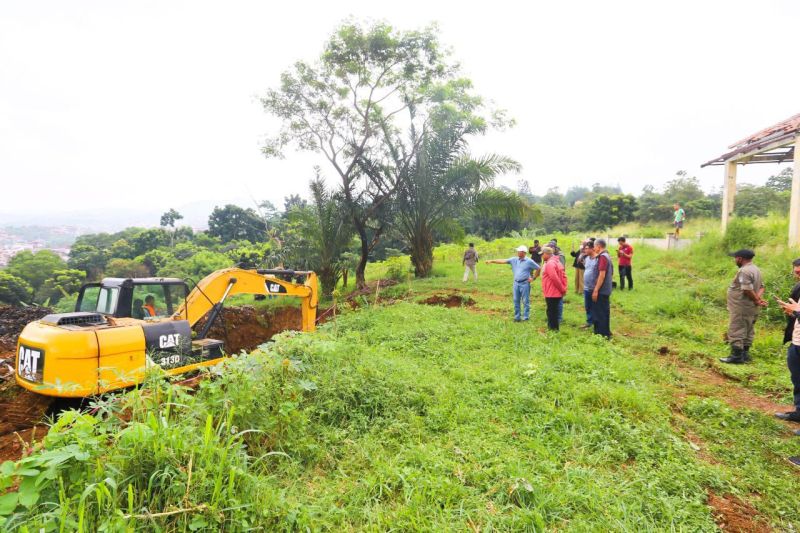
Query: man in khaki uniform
column 745, row 299
column 470, row 262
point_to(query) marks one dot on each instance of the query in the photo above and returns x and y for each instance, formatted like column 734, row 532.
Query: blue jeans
column 522, row 292
column 561, row 310
column 587, row 304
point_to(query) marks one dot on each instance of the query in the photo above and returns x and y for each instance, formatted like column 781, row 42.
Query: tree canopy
column 364, row 105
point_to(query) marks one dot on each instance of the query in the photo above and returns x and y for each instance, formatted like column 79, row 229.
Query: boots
column 735, row 358
column 746, row 354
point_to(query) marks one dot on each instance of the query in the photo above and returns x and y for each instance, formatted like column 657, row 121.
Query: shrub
column 397, row 268
column 741, row 233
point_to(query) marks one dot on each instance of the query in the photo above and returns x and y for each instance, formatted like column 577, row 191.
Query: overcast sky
column 125, row 104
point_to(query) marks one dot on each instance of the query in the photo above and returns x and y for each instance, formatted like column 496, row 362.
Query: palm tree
column 330, row 233
column 444, row 182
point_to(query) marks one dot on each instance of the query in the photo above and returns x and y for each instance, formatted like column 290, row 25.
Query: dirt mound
column 353, row 299
column 372, row 286
column 732, row 514
column 13, row 319
column 245, row 327
column 450, row 300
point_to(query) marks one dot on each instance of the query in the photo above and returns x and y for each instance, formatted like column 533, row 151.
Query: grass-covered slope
column 407, row 416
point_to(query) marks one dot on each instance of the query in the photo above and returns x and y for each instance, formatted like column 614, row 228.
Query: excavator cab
column 123, row 298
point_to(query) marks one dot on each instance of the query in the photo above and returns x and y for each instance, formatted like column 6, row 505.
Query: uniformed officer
column 745, row 299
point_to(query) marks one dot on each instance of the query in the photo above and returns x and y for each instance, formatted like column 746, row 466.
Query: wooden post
column 728, row 193
column 794, row 206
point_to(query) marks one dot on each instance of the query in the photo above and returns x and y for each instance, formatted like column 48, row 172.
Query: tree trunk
column 345, row 272
column 361, row 267
column 328, row 278
column 422, row 252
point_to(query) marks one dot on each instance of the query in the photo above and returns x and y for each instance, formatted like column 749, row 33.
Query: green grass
column 412, row 417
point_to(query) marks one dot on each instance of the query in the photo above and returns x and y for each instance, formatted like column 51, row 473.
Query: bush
column 397, row 268
column 741, row 233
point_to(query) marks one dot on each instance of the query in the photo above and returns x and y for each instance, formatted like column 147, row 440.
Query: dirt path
column 730, row 512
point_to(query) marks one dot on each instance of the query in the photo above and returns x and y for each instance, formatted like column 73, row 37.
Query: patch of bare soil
column 734, row 515
column 450, row 300
column 726, row 390
column 13, row 446
column 245, row 327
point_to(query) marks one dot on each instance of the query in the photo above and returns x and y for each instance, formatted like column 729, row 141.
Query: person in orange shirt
column 149, row 306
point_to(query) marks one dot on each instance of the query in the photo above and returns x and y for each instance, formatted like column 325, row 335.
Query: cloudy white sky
column 154, row 103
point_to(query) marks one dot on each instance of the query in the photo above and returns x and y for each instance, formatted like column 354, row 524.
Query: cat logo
column 30, row 363
column 173, row 340
column 273, row 287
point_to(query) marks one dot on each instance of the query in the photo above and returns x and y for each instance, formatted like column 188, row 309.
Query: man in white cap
column 525, row 270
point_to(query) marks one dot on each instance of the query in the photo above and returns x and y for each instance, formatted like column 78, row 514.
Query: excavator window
column 88, row 302
column 107, row 300
column 154, row 300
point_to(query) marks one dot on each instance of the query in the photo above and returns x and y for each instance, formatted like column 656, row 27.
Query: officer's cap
column 744, row 253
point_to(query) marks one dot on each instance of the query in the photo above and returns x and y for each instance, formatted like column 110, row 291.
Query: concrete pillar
column 728, row 193
column 794, row 206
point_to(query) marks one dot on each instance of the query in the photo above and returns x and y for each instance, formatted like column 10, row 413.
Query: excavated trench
column 246, row 327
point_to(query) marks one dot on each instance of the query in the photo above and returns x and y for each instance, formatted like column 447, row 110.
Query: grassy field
column 405, row 416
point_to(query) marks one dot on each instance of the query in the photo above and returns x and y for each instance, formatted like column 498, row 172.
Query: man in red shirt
column 625, row 253
column 554, row 285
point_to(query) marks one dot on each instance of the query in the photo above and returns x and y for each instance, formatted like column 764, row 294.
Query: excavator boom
column 212, row 291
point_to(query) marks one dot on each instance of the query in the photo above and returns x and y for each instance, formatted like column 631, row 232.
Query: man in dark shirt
column 792, row 336
column 794, row 295
column 601, row 295
column 536, row 252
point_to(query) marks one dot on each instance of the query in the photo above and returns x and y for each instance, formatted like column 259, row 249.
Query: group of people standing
column 594, row 275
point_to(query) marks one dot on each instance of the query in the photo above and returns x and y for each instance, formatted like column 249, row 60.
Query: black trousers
column 793, row 362
column 601, row 316
column 625, row 272
column 552, row 312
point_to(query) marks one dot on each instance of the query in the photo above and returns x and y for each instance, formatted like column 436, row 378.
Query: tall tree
column 14, row 290
column 232, row 223
column 609, row 210
column 169, row 219
column 782, row 182
column 443, row 182
column 348, row 106
column 91, row 259
column 35, row 267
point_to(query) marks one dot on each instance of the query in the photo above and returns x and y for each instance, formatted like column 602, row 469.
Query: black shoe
column 791, row 416
column 746, row 354
column 735, row 358
column 516, row 320
column 794, row 460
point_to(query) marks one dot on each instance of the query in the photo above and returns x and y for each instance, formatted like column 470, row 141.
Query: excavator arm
column 211, row 292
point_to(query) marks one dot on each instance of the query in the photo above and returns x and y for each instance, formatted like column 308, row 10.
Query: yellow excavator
column 122, row 327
